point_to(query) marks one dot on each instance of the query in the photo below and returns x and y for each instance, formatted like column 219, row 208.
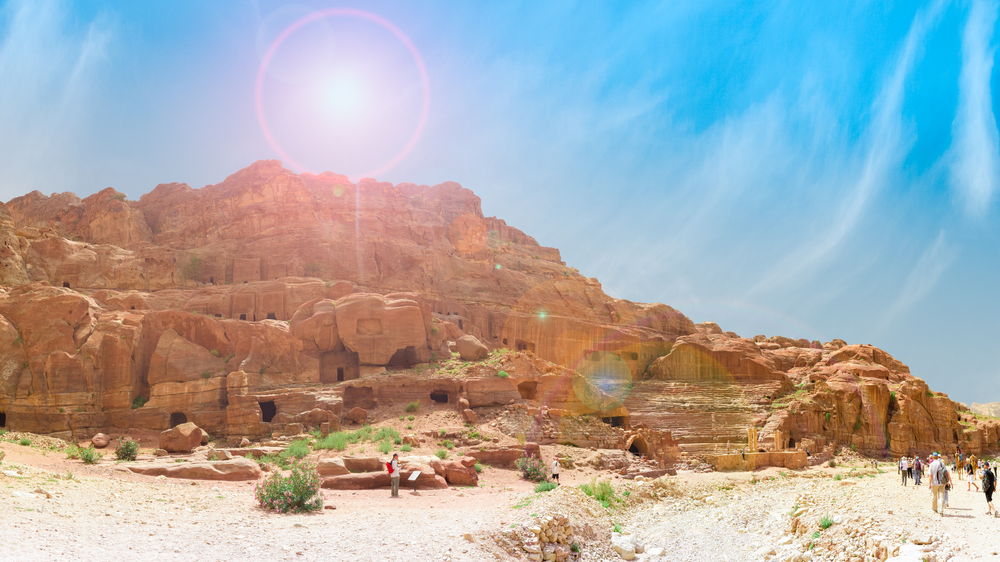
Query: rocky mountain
column 273, row 299
column 991, row 409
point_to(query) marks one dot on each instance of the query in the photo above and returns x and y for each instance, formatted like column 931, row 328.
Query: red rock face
column 216, row 305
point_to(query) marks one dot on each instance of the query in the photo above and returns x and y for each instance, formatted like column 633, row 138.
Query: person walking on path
column 904, row 468
column 938, row 473
column 918, row 469
column 555, row 470
column 989, row 486
column 970, row 473
column 393, row 468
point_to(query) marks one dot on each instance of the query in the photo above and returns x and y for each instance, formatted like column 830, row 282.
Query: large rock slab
column 230, row 470
column 182, row 438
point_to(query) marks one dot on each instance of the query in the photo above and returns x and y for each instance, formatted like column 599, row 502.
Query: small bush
column 825, row 522
column 601, row 491
column 296, row 449
column 617, row 528
column 412, row 407
column 442, row 433
column 90, row 455
column 139, row 402
column 406, row 448
column 296, row 493
column 216, row 353
column 502, row 374
column 826, row 416
column 545, row 486
column 441, row 454
column 24, row 441
column 532, row 468
column 127, row 449
column 336, row 441
column 206, row 375
column 384, row 447
column 410, row 418
column 447, row 444
column 478, row 467
column 574, row 547
column 72, row 452
column 409, row 426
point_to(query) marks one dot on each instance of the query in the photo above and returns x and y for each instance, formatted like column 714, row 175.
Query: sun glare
column 342, row 96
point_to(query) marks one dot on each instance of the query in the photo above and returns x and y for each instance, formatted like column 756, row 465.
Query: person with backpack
column 918, row 469
column 938, row 473
column 555, row 470
column 989, row 486
column 393, row 468
column 904, row 468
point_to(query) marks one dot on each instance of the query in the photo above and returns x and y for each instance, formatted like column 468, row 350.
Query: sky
column 809, row 169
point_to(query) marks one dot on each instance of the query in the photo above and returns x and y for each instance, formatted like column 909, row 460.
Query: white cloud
column 926, row 272
column 48, row 69
column 974, row 159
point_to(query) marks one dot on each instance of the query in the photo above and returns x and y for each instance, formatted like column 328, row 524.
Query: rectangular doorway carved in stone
column 338, row 366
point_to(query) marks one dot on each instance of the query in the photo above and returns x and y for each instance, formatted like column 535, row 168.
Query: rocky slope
column 245, row 306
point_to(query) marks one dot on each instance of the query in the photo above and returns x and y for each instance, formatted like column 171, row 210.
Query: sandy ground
column 56, row 508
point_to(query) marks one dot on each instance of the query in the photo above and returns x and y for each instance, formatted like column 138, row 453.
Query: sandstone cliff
column 275, row 298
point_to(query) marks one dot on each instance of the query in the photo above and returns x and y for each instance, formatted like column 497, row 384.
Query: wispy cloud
column 48, row 67
column 974, row 160
column 924, row 275
column 883, row 148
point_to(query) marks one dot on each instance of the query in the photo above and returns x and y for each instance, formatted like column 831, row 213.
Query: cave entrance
column 440, row 396
column 638, row 446
column 791, row 443
column 522, row 345
column 614, row 421
column 3, row 419
column 267, row 410
column 243, row 316
column 338, row 366
column 528, row 390
column 271, row 316
column 404, row 358
column 177, row 418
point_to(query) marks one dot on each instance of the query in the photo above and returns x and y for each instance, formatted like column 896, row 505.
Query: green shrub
column 337, row 441
column 406, row 448
column 296, row 449
column 410, row 418
column 442, row 433
column 412, row 407
column 502, row 374
column 617, row 528
column 441, row 454
column 384, row 447
column 409, row 426
column 574, row 547
column 296, row 493
column 72, row 452
column 216, row 353
column 90, row 455
column 478, row 467
column 24, row 441
column 545, row 486
column 827, row 416
column 448, row 444
column 601, row 491
column 139, row 402
column 532, row 468
column 127, row 449
column 206, row 375
column 825, row 522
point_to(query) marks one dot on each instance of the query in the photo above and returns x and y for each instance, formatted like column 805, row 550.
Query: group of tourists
column 968, row 468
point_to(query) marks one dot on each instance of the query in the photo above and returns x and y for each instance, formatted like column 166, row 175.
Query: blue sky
column 807, row 169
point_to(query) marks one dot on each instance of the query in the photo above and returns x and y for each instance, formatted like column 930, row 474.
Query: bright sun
column 343, row 96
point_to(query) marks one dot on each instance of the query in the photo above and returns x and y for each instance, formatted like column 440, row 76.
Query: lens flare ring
column 343, row 12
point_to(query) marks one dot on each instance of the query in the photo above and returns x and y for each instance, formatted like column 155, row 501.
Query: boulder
column 457, row 472
column 218, row 455
column 427, row 480
column 331, row 466
column 364, row 464
column 503, row 457
column 471, row 349
column 357, row 415
column 182, row 438
column 229, row 470
column 469, row 416
column 100, row 441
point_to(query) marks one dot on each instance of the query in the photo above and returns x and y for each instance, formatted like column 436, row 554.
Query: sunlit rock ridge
column 269, row 298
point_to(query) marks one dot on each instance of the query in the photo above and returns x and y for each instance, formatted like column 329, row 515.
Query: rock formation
column 276, row 302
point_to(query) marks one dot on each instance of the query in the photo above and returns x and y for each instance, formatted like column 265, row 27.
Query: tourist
column 918, row 469
column 938, row 473
column 970, row 473
column 904, row 468
column 989, row 486
column 555, row 470
column 393, row 467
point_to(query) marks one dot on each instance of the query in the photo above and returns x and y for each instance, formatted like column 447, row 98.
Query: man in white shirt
column 938, row 473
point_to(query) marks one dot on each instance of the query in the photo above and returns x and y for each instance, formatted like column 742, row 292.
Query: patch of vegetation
column 384, row 447
column 448, row 444
column 127, row 449
column 412, row 407
column 216, row 353
column 617, row 529
column 297, row 449
column 574, row 547
column 24, row 442
column 503, row 374
column 410, row 418
column 532, row 468
column 825, row 523
column 826, row 416
column 72, row 452
column 90, row 455
column 406, row 448
column 602, row 491
column 545, row 486
column 442, row 433
column 857, row 424
column 930, row 394
column 139, row 402
column 441, row 454
column 478, row 467
column 409, row 426
column 206, row 375
column 296, row 493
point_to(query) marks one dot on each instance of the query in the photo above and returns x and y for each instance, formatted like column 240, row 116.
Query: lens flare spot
column 542, row 315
